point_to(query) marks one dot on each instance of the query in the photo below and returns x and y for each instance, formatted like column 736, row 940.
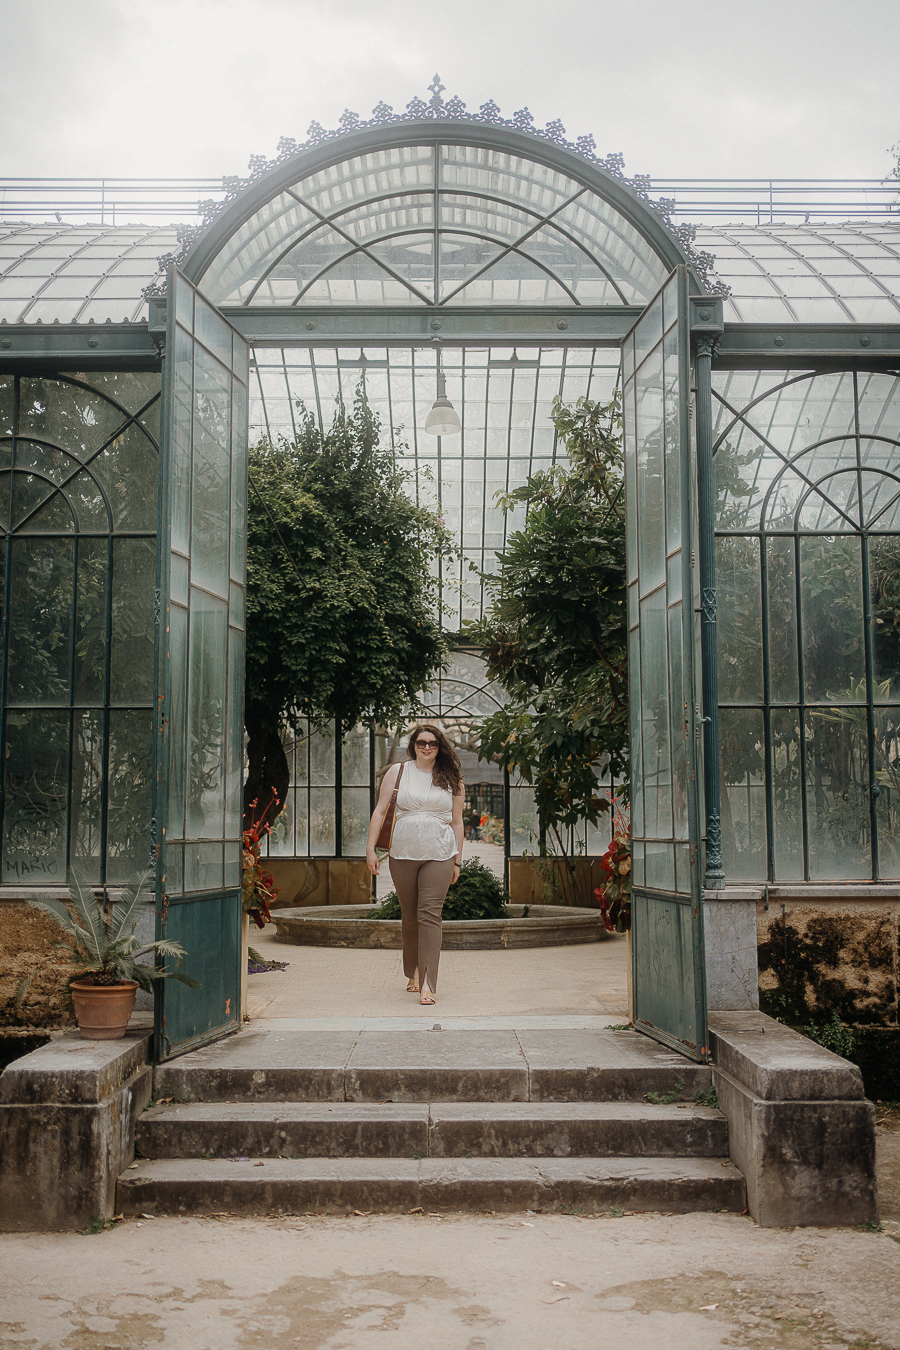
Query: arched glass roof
column 808, row 273
column 777, row 273
column 435, row 223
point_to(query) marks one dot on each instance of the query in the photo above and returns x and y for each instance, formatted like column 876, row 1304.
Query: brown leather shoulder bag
column 386, row 833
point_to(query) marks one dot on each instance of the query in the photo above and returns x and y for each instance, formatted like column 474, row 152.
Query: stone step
column 424, row 1065
column 196, row 1186
column 437, row 1130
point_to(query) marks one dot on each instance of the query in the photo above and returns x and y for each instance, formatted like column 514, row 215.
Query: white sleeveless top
column 422, row 824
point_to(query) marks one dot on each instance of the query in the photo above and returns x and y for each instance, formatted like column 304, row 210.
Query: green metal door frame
column 198, row 722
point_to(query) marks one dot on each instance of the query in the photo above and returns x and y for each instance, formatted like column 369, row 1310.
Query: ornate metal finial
column 436, row 89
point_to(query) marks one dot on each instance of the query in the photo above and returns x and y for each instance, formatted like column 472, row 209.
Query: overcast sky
column 740, row 88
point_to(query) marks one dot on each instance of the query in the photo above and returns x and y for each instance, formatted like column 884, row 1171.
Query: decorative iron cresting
column 436, row 108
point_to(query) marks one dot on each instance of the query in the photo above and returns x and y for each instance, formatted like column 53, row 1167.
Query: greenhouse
column 760, row 371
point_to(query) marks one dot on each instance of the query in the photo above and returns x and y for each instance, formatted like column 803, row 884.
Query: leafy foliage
column 476, row 894
column 105, row 948
column 342, row 595
column 615, row 893
column 555, row 633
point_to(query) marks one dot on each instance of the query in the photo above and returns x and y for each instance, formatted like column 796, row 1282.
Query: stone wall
column 26, row 946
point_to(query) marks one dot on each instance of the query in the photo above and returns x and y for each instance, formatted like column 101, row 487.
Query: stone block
column 732, row 977
column 67, row 1121
column 799, row 1128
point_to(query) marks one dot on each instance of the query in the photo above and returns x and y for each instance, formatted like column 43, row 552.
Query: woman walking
column 426, row 847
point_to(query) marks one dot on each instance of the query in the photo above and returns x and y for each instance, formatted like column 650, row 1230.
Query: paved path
column 464, row 1282
column 538, row 981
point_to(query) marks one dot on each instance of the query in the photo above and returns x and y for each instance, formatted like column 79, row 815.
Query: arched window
column 435, row 215
column 808, row 574
column 78, row 505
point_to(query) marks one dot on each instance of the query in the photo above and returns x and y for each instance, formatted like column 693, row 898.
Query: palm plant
column 106, row 950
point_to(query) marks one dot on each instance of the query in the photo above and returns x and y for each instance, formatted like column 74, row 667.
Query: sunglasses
column 426, row 744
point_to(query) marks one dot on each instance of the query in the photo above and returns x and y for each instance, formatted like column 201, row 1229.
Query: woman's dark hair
column 447, row 773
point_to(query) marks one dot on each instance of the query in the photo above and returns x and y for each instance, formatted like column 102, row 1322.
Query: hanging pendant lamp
column 443, row 420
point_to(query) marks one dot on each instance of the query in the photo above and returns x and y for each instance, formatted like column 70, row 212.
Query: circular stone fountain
column 353, row 926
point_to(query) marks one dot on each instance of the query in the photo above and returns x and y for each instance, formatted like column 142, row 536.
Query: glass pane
column 739, row 620
column 281, row 839
column 133, row 620
column 179, row 578
column 523, row 833
column 178, row 635
column 87, row 789
column 887, row 778
column 672, row 437
column 206, row 718
column 234, row 750
column 90, row 623
column 355, row 758
column 832, row 619
column 127, row 470
column 130, row 788
column 202, row 867
column 837, row 794
column 321, row 809
column 787, row 794
column 354, row 822
column 655, row 719
column 40, row 621
column 659, row 865
column 782, row 616
column 679, row 728
column 743, row 810
column 79, row 420
column 631, row 519
column 650, row 481
column 210, row 478
column 182, row 420
column 321, row 758
column 210, row 329
column 301, row 825
column 36, row 782
column 635, row 734
column 238, row 480
column 884, row 582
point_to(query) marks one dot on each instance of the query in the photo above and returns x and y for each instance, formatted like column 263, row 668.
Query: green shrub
column 477, row 894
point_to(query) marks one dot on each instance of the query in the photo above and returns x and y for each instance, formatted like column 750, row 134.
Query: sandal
column 426, row 996
column 413, row 985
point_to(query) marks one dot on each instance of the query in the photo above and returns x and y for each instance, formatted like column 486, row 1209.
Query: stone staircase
column 280, row 1119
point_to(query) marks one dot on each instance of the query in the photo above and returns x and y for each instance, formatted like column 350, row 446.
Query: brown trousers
column 421, row 889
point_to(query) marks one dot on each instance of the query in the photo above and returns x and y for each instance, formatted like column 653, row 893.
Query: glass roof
column 75, row 274
column 435, row 224
column 503, row 398
column 777, row 273
column 806, row 273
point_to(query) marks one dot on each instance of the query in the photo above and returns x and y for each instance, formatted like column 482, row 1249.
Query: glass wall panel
column 354, row 821
column 655, row 718
column 743, row 799
column 829, row 590
column 831, row 628
column 210, row 474
column 86, row 805
column 837, row 794
column 887, row 779
column 650, row 475
column 133, row 611
column 89, row 676
column 205, row 717
column 322, row 840
column 130, row 779
column 781, row 616
column 176, row 775
column 739, row 620
column 41, row 587
column 36, row 779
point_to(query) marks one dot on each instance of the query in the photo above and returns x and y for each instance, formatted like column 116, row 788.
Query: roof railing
column 712, row 201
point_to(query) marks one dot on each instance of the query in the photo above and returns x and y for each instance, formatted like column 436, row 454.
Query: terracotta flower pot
column 103, row 1010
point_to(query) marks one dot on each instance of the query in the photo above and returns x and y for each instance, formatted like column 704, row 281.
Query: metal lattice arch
column 434, row 213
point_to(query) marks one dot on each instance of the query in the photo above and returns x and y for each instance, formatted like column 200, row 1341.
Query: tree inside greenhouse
column 342, row 590
column 555, row 632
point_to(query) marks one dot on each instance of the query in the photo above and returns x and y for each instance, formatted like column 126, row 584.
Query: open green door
column 667, row 913
column 200, row 667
